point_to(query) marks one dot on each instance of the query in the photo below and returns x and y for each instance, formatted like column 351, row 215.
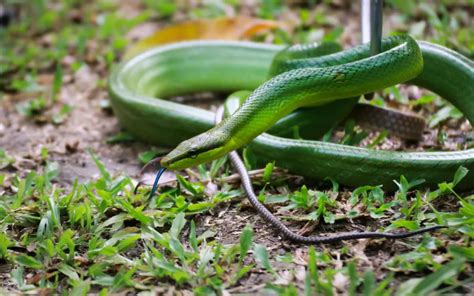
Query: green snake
column 307, row 90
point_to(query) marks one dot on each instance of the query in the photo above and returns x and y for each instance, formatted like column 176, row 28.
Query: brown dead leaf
column 81, row 260
column 35, row 278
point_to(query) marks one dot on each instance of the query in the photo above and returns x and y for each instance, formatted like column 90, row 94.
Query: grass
column 97, row 236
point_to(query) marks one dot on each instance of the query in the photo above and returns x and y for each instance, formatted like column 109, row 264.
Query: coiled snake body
column 302, row 76
column 329, row 84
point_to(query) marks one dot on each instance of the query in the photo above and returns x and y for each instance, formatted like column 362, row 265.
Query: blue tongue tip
column 155, row 183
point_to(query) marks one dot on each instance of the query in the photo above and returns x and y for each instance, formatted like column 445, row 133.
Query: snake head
column 197, row 150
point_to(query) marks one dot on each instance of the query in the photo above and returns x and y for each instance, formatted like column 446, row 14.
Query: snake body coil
column 324, row 82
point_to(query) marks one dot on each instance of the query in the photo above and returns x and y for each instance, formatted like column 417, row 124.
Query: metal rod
column 371, row 26
column 365, row 20
column 376, row 18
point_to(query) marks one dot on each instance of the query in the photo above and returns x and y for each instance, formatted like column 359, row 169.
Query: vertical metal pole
column 365, row 20
column 376, row 18
column 371, row 24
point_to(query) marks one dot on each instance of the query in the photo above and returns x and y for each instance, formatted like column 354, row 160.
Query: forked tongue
column 151, row 165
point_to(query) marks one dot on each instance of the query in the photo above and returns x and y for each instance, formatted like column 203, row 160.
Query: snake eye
column 193, row 153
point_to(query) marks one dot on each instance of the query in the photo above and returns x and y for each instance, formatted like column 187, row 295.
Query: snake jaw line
column 197, row 150
column 183, row 160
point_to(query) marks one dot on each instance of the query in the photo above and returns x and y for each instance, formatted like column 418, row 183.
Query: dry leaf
column 225, row 28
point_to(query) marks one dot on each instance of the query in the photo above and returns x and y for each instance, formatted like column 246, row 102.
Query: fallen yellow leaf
column 224, row 28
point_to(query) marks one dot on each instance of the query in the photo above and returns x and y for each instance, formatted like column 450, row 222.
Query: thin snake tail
column 296, row 238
